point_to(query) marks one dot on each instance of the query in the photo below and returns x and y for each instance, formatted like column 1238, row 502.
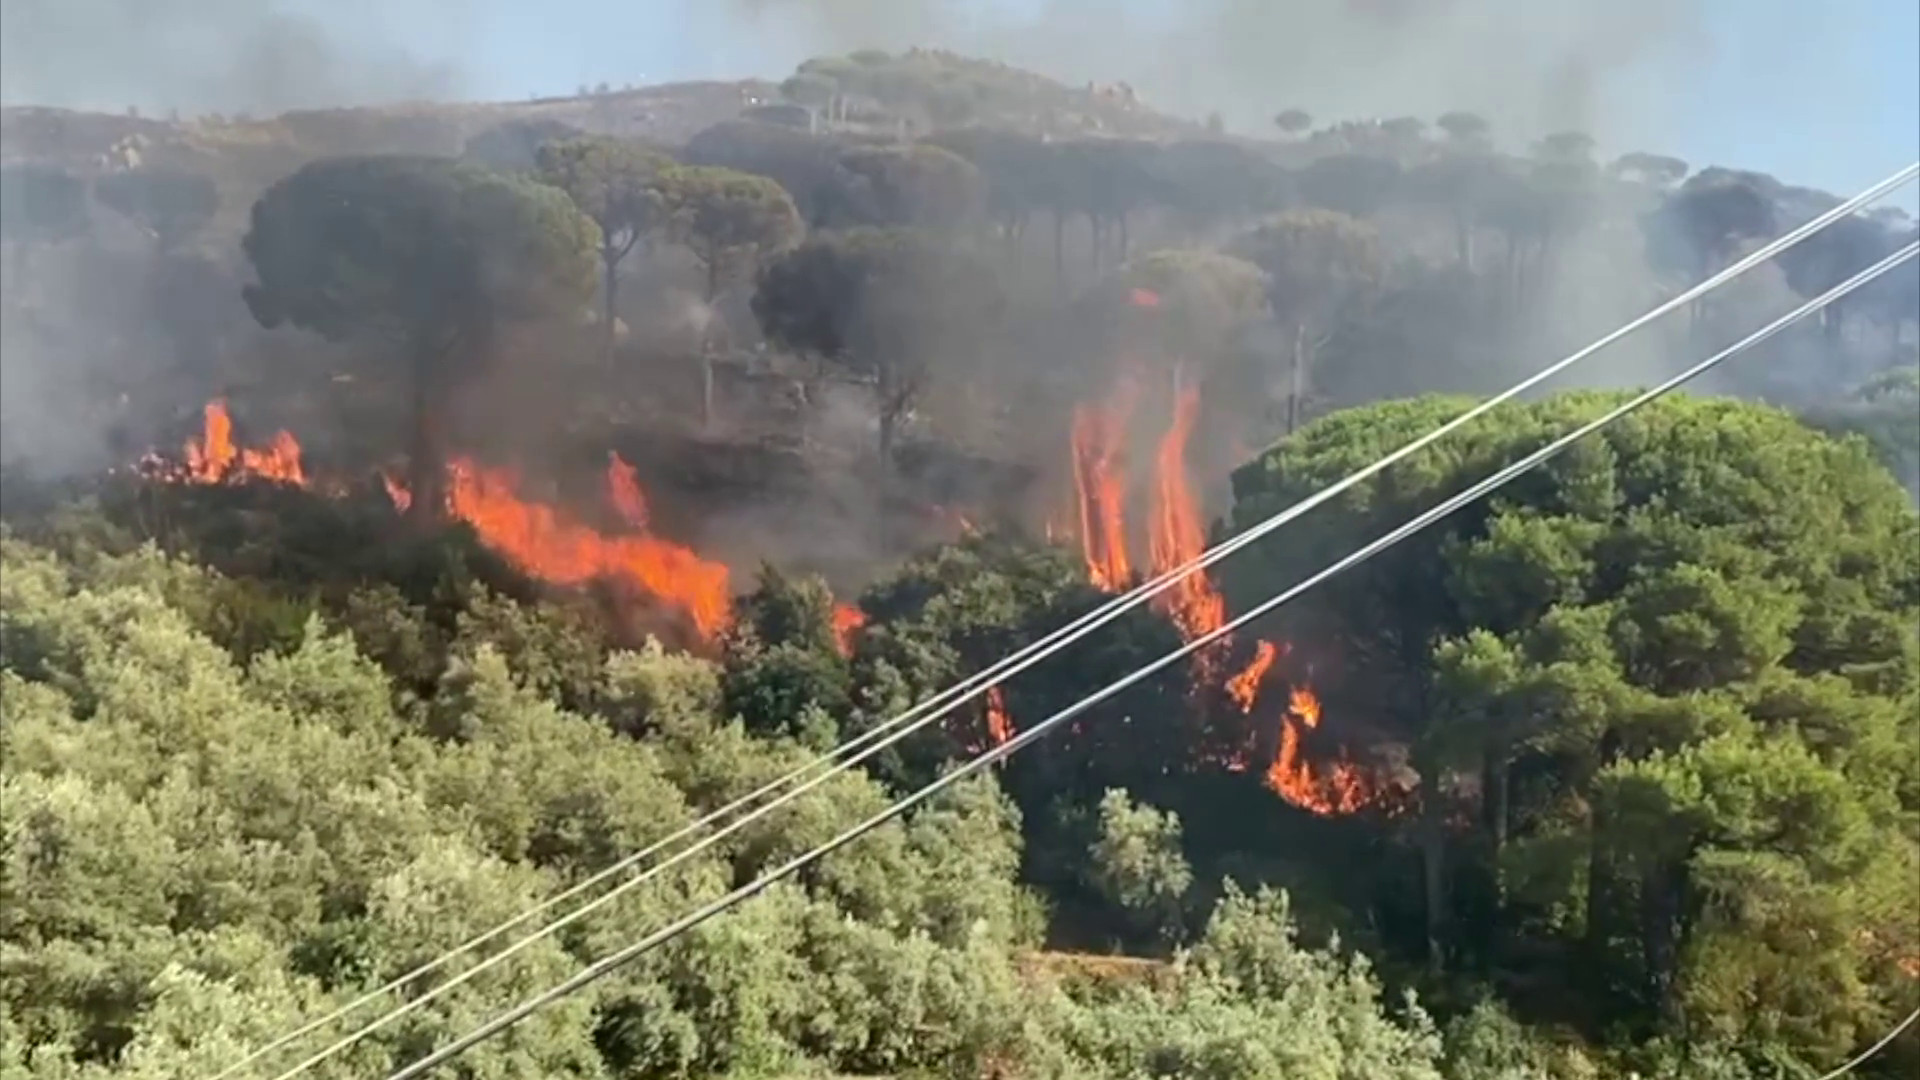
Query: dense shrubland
column 1655, row 709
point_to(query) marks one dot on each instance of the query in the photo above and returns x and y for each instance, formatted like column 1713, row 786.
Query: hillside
column 411, row 514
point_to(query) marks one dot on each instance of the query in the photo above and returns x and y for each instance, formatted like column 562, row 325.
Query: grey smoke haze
column 1529, row 67
column 216, row 55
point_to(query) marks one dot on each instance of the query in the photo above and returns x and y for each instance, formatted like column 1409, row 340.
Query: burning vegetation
column 555, row 546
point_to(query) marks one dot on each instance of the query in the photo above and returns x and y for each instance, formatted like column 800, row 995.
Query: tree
column 1108, row 180
column 1016, row 168
column 1464, row 127
column 1698, row 229
column 1565, row 146
column 1293, row 121
column 729, row 221
column 1831, row 256
column 1657, row 169
column 919, row 184
column 514, row 146
column 1467, row 186
column 425, row 254
column 1206, row 182
column 1316, row 261
column 807, row 165
column 1357, row 185
column 882, row 302
column 1665, row 697
column 1137, row 866
column 783, row 660
column 612, row 181
column 172, row 204
column 1192, row 304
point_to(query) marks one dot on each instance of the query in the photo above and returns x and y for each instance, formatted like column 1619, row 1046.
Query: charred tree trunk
column 1660, row 913
column 1433, row 864
column 1497, row 780
column 610, row 263
column 1296, row 376
column 712, row 293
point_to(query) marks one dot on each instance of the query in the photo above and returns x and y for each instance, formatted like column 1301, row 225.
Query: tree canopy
column 883, row 302
column 429, row 254
column 1678, row 710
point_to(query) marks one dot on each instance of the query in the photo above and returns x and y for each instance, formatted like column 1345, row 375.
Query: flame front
column 542, row 541
column 1099, row 480
column 545, row 544
column 213, row 458
column 847, row 621
column 1244, row 688
column 623, row 491
column 1339, row 787
column 999, row 723
column 1177, row 536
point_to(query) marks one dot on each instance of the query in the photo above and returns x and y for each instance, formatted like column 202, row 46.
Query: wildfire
column 1177, row 537
column 847, row 621
column 540, row 539
column 1337, row 788
column 1099, row 436
column 213, row 458
column 623, row 491
column 546, row 544
column 1244, row 688
column 999, row 723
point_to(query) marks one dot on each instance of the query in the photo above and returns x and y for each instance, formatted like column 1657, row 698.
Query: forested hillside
column 411, row 514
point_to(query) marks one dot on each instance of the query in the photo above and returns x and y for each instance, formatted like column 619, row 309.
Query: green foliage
column 612, row 181
column 1676, row 664
column 414, row 248
column 1137, row 865
column 783, row 663
column 728, row 219
column 1201, row 301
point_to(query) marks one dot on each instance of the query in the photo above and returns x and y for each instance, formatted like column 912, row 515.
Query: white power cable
column 1867, row 1054
column 607, row 964
column 914, row 719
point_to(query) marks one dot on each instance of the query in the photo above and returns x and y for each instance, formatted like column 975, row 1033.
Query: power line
column 606, row 965
column 919, row 716
column 1867, row 1054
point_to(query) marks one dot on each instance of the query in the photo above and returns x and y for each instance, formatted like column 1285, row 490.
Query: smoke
column 202, row 56
column 1531, row 68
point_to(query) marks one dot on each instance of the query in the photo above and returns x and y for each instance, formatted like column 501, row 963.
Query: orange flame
column 1177, row 537
column 546, row 545
column 999, row 723
column 1244, row 688
column 397, row 491
column 623, row 491
column 1340, row 787
column 214, row 459
column 1099, row 479
column 847, row 621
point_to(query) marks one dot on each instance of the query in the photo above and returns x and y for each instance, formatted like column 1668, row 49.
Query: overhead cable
column 604, row 966
column 920, row 716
